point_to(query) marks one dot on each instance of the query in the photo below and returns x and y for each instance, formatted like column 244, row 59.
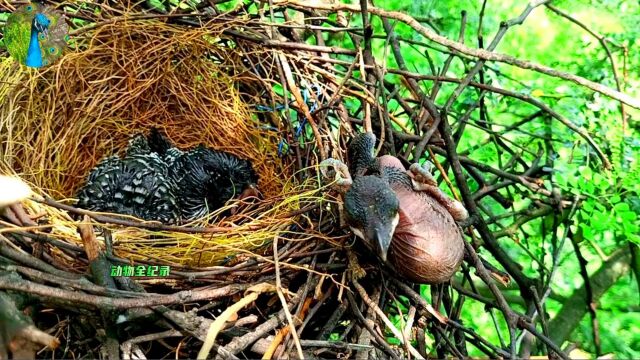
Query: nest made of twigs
column 58, row 123
column 198, row 70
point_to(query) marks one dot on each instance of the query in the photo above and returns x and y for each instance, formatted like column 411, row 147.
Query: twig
column 285, row 307
column 220, row 321
column 478, row 53
column 6, row 249
column 540, row 309
column 510, row 317
column 591, row 305
column 522, row 323
column 364, row 338
column 489, row 241
column 242, row 342
column 127, row 345
column 424, row 305
column 334, row 345
column 332, row 321
column 137, row 224
column 381, row 341
column 18, row 332
column 303, row 106
column 384, row 318
column 603, row 41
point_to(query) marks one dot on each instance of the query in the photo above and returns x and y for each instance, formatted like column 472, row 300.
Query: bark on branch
column 575, row 307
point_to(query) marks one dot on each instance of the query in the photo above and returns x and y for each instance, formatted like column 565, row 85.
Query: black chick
column 138, row 184
column 206, row 179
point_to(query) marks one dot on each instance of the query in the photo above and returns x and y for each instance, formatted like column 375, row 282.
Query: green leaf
column 600, row 181
column 629, row 228
column 588, row 186
column 621, row 207
column 586, row 232
column 585, row 173
column 599, row 206
column 599, row 221
column 587, row 205
column 628, row 216
column 393, row 341
column 560, row 180
column 634, row 238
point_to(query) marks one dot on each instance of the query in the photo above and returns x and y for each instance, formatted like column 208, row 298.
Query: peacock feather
column 36, row 35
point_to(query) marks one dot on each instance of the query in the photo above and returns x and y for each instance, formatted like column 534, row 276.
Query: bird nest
column 57, row 124
column 281, row 87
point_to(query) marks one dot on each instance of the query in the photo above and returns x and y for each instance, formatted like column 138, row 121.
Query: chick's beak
column 382, row 234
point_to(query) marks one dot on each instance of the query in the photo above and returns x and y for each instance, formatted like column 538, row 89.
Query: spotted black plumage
column 168, row 184
column 206, row 178
column 138, row 184
column 138, row 145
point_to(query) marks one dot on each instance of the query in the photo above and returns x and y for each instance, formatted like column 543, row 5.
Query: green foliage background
column 608, row 218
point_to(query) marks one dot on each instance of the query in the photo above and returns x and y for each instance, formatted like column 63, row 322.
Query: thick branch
column 14, row 282
column 575, row 307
